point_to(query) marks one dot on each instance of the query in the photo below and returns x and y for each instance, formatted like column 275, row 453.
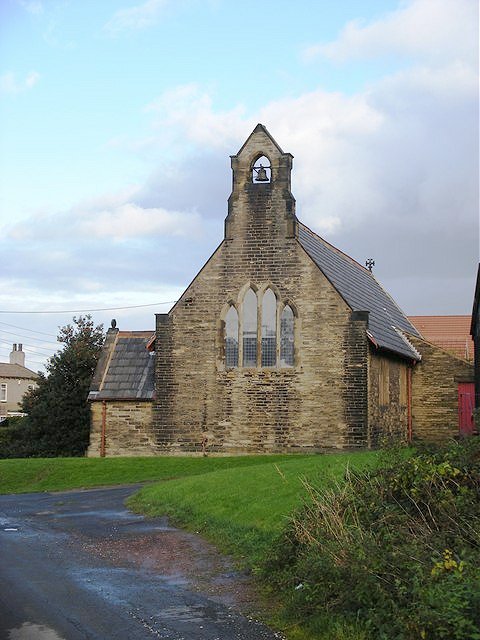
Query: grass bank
column 58, row 474
column 243, row 508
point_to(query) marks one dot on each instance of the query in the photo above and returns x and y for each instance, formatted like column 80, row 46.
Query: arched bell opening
column 261, row 170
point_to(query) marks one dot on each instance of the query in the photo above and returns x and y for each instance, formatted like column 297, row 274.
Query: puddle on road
column 30, row 631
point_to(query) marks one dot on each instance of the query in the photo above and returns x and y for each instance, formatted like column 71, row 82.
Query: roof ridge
column 16, row 366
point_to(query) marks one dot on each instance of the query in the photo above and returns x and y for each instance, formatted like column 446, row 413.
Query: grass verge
column 244, row 510
column 28, row 475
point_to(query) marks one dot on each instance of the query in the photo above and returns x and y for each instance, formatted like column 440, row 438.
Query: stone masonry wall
column 388, row 411
column 128, row 429
column 355, row 398
column 254, row 409
column 203, row 407
column 435, row 391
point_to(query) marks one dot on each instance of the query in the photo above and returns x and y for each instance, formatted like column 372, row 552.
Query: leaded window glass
column 250, row 329
column 231, row 338
column 269, row 329
column 287, row 337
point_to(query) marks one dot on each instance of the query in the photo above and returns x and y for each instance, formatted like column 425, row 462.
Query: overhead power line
column 134, row 306
column 30, row 338
column 14, row 326
column 39, row 351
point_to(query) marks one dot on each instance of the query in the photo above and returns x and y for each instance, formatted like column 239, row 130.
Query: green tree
column 58, row 417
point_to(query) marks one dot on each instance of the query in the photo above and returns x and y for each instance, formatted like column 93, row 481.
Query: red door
column 466, row 395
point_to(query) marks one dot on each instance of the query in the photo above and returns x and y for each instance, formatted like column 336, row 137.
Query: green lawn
column 59, row 474
column 243, row 508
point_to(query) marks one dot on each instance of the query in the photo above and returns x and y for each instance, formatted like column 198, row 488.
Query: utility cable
column 135, row 306
column 14, row 326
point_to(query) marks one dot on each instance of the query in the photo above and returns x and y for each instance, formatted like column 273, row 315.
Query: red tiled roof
column 451, row 333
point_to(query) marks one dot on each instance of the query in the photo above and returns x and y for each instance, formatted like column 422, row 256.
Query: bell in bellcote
column 261, row 174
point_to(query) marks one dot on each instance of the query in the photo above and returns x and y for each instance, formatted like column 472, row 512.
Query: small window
column 3, row 392
column 269, row 329
column 287, row 346
column 231, row 338
column 250, row 329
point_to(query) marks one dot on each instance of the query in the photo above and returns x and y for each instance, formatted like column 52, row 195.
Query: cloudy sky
column 117, row 120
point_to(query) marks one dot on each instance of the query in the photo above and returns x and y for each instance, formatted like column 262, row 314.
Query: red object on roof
column 451, row 333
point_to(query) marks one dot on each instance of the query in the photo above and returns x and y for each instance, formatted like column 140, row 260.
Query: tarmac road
column 78, row 565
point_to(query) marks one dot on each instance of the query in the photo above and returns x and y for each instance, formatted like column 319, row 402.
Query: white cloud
column 136, row 17
column 131, row 221
column 389, row 172
column 9, row 84
column 188, row 110
column 436, row 30
column 105, row 218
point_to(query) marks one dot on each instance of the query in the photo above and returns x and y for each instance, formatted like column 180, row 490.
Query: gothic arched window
column 269, row 329
column 287, row 347
column 231, row 338
column 250, row 329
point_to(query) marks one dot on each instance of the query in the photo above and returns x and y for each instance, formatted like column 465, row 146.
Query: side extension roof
column 125, row 370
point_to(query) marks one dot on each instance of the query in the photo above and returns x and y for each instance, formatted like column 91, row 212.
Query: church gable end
column 253, row 357
column 280, row 343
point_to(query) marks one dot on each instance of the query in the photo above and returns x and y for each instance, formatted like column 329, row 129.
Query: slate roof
column 361, row 291
column 451, row 333
column 125, row 370
column 8, row 370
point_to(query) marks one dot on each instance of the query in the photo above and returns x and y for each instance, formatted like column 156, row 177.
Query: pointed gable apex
column 260, row 129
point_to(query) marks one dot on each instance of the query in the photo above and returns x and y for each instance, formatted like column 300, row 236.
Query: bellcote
column 261, row 182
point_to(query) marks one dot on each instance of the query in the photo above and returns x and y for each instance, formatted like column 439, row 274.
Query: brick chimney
column 17, row 356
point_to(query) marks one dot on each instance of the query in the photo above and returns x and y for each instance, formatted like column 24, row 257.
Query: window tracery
column 274, row 326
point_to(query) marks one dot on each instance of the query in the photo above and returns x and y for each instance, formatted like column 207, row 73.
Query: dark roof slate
column 126, row 370
column 361, row 291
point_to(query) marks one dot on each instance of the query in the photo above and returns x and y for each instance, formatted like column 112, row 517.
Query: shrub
column 395, row 549
column 58, row 416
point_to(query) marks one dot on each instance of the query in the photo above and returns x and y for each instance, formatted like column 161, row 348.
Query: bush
column 58, row 415
column 395, row 549
column 14, row 438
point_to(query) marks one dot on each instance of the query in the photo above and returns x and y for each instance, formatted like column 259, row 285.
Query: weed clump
column 393, row 552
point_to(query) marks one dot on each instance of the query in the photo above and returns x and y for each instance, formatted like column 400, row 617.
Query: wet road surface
column 79, row 565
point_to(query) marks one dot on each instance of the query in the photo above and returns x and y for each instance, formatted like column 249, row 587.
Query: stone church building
column 281, row 343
